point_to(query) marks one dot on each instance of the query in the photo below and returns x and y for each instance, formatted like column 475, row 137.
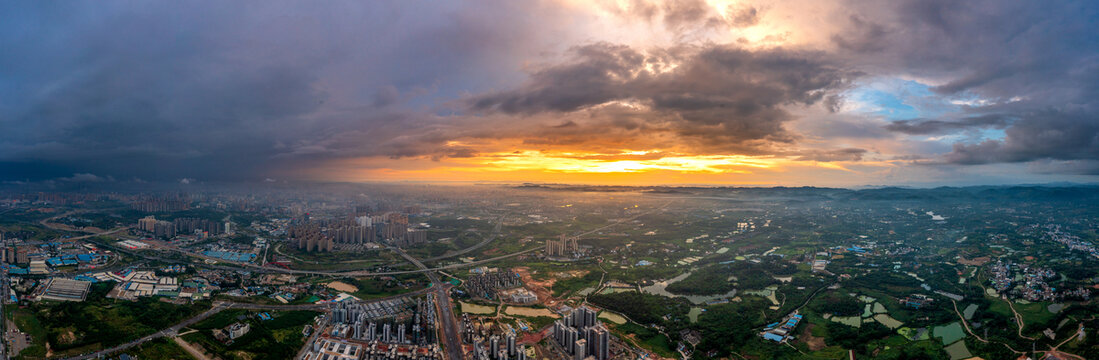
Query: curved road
column 488, row 239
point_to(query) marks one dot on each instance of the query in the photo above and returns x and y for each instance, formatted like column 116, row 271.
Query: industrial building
column 62, row 289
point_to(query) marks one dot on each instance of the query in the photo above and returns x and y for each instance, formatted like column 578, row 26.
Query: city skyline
column 756, row 93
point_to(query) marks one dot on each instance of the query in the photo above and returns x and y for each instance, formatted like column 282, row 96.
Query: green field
column 648, row 338
column 159, row 349
column 375, row 287
column 958, row 351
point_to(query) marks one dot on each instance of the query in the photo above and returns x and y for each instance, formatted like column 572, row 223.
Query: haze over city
column 825, row 93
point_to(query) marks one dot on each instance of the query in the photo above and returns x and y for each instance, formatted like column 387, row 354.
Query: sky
column 629, row 92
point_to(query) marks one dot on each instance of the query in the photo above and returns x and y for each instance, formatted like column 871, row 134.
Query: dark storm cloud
column 926, row 127
column 1051, row 134
column 1033, row 62
column 228, row 90
column 718, row 98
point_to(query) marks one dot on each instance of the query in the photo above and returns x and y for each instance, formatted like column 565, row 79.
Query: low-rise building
column 62, row 289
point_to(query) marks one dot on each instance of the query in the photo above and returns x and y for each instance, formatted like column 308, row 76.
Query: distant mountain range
column 1060, row 191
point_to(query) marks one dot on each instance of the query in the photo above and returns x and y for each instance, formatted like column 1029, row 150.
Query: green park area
column 278, row 338
column 96, row 323
column 161, row 348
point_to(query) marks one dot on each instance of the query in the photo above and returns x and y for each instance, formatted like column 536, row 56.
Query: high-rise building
column 308, row 237
column 477, row 348
column 603, row 344
column 147, row 223
column 416, row 236
column 564, row 246
column 351, row 233
column 582, row 324
column 164, row 229
column 21, row 255
column 580, row 349
column 522, row 353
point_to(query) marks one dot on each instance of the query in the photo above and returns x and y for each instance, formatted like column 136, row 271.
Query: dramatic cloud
column 1043, row 135
column 725, row 91
column 717, row 99
column 925, row 127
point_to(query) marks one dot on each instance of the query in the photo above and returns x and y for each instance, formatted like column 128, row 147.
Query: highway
column 443, row 307
column 492, row 236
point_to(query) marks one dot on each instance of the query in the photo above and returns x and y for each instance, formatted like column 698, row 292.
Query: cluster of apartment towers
column 321, row 235
column 494, row 352
column 564, row 246
column 183, row 226
column 581, row 335
column 352, row 320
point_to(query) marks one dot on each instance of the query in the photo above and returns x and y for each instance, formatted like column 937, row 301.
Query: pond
column 768, row 292
column 969, row 311
column 949, row 333
column 935, row 217
column 853, row 321
column 661, row 288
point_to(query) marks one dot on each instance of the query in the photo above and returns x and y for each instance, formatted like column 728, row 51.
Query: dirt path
column 965, row 323
column 967, row 329
column 1018, row 320
column 198, row 354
